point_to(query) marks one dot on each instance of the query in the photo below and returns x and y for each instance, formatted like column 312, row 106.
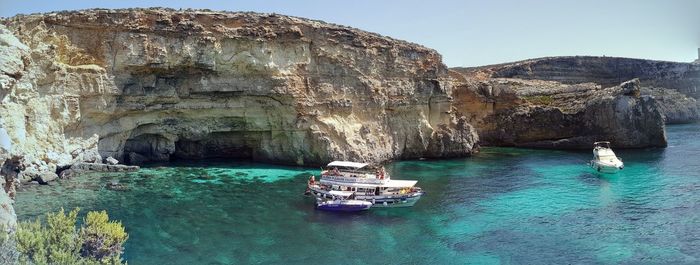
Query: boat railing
column 352, row 179
column 356, row 174
column 410, row 192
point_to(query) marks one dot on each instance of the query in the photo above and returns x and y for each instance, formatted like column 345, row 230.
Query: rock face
column 676, row 107
column 546, row 114
column 8, row 218
column 38, row 105
column 605, row 71
column 681, row 80
column 153, row 84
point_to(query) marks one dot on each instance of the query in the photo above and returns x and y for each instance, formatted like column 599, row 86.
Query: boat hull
column 605, row 168
column 379, row 201
column 396, row 202
column 344, row 207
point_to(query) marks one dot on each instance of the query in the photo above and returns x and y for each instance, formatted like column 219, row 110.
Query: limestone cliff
column 157, row 84
column 39, row 101
column 547, row 114
column 8, row 218
column 674, row 84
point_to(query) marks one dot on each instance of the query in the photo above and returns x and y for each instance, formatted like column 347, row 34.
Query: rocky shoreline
column 145, row 85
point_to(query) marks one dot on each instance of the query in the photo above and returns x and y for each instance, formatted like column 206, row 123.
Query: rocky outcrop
column 81, row 168
column 546, row 114
column 154, row 84
column 675, row 85
column 35, row 111
column 676, row 107
column 99, row 167
column 605, row 71
column 8, row 218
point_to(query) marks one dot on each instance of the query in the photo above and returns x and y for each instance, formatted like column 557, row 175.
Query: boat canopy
column 387, row 184
column 347, row 164
column 399, row 183
column 605, row 144
column 341, row 193
column 350, row 184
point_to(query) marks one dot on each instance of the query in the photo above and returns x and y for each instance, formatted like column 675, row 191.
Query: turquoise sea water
column 502, row 206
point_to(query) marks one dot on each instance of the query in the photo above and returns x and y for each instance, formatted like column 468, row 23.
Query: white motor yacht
column 604, row 159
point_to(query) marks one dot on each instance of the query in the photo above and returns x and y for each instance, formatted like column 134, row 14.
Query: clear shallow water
column 505, row 205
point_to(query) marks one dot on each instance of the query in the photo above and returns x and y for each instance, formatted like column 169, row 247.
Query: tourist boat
column 369, row 184
column 342, row 201
column 604, row 159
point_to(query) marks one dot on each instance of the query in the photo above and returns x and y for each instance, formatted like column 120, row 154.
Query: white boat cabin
column 345, row 171
column 363, row 180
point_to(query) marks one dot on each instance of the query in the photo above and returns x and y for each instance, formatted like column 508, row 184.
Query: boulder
column 111, row 161
column 66, row 174
column 46, row 177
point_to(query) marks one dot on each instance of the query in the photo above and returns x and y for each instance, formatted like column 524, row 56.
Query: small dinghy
column 343, row 201
column 604, row 159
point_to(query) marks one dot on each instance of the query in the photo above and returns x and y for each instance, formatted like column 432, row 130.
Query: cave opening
column 235, row 145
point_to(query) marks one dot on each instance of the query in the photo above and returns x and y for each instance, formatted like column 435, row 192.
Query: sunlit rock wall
column 155, row 84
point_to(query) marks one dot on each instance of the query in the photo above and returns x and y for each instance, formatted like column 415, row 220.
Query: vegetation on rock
column 102, row 238
column 58, row 241
column 539, row 100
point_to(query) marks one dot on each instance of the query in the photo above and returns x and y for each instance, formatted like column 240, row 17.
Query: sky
column 473, row 33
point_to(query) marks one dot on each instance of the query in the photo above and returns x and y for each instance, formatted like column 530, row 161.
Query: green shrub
column 102, row 239
column 31, row 242
column 99, row 241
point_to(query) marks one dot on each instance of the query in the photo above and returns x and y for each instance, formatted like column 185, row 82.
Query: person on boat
column 309, row 184
column 335, row 171
column 380, row 173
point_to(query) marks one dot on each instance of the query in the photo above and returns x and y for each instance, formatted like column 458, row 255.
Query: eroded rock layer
column 547, row 114
column 153, row 85
column 674, row 84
